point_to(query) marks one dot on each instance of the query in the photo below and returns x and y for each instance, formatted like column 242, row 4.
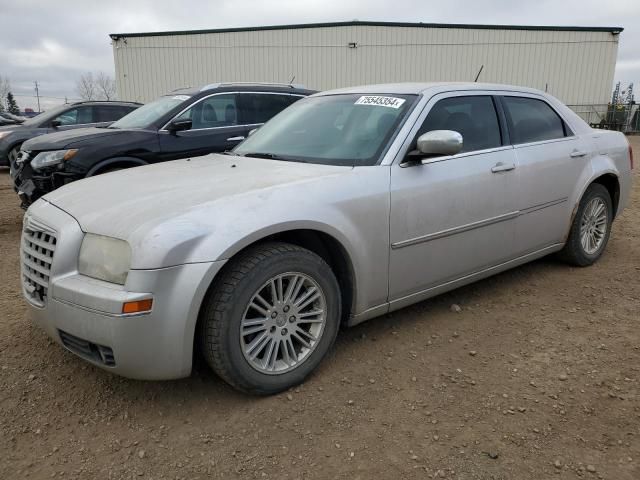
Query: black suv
column 187, row 122
column 65, row 117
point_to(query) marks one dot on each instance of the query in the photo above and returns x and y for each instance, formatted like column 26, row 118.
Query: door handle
column 577, row 153
column 235, row 139
column 503, row 167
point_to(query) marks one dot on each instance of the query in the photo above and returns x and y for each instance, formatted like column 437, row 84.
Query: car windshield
column 348, row 129
column 150, row 113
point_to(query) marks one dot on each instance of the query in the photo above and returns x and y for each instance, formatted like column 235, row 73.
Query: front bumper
column 84, row 314
column 30, row 185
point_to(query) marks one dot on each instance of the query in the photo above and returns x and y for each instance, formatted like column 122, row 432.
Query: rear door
column 550, row 158
column 215, row 127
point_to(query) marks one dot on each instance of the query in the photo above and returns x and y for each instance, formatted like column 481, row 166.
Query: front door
column 453, row 216
column 215, row 128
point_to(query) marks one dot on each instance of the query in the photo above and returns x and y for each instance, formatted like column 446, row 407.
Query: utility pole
column 37, row 95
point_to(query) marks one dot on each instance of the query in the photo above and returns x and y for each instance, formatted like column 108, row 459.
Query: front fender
column 353, row 209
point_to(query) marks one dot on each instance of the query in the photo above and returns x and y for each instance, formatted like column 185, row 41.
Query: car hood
column 193, row 195
column 10, row 128
column 69, row 138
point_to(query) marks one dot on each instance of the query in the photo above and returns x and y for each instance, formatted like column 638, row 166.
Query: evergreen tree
column 12, row 106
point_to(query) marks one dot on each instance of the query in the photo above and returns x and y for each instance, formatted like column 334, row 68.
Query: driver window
column 215, row 111
column 474, row 117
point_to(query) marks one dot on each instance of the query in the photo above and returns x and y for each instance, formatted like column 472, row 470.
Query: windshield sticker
column 182, row 98
column 379, row 101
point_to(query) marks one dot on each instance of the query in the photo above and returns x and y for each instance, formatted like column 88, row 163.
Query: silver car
column 347, row 205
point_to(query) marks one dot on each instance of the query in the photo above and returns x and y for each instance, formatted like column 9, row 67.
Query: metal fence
column 624, row 118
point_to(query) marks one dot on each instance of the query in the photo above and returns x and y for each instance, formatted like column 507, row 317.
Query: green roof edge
column 614, row 30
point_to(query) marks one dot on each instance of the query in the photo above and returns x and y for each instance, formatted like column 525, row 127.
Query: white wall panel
column 575, row 66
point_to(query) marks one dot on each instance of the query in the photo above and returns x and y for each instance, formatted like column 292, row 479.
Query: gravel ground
column 536, row 376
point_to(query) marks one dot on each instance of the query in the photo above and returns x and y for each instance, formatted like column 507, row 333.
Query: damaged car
column 185, row 123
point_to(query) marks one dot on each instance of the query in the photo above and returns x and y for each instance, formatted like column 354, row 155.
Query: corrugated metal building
column 576, row 64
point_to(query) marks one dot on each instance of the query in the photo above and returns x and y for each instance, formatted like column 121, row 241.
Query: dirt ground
column 538, row 376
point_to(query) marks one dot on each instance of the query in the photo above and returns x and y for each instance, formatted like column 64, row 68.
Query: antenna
column 479, row 72
column 292, row 79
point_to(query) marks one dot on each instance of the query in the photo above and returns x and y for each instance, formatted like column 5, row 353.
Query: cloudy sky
column 54, row 42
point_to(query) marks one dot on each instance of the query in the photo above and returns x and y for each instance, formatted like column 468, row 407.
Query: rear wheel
column 271, row 318
column 591, row 227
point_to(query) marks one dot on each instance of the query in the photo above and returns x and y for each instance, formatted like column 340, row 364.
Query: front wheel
column 591, row 227
column 270, row 318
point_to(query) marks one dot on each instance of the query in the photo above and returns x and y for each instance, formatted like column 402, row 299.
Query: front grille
column 38, row 247
column 88, row 350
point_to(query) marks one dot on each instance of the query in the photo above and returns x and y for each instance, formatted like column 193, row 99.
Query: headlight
column 47, row 159
column 104, row 258
column 4, row 134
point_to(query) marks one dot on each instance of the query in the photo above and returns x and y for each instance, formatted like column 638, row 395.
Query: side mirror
column 180, row 125
column 55, row 123
column 439, row 142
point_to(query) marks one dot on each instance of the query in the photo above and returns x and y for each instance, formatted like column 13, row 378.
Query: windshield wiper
column 272, row 156
column 229, row 152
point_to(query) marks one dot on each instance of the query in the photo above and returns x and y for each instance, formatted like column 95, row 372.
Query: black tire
column 220, row 320
column 573, row 251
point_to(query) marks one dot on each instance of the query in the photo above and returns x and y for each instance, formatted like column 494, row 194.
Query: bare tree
column 105, row 86
column 5, row 88
column 86, row 87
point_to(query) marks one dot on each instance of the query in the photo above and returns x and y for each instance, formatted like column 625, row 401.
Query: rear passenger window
column 532, row 120
column 109, row 113
column 474, row 117
column 260, row 107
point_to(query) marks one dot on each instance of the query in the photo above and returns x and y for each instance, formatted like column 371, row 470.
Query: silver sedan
column 347, row 205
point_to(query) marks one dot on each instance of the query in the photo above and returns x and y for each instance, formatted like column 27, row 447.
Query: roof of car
column 418, row 88
column 254, row 86
column 102, row 102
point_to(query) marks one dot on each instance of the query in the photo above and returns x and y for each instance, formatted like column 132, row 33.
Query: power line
column 44, row 96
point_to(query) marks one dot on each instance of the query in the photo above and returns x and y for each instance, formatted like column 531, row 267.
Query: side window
column 215, row 111
column 69, row 117
column 76, row 116
column 109, row 113
column 474, row 117
column 532, row 120
column 260, row 107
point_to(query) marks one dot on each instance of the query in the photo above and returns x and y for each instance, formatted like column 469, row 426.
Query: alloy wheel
column 593, row 225
column 283, row 323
